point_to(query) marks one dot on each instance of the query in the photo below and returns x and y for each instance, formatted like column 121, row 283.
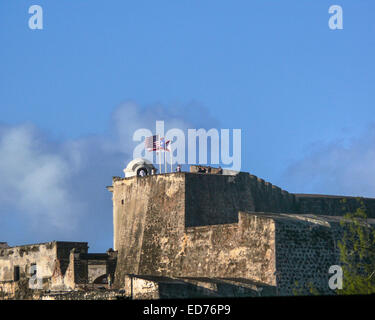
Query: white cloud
column 34, row 178
column 345, row 167
column 59, row 186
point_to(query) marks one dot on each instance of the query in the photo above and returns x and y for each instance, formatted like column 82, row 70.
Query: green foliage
column 357, row 253
column 298, row 289
column 313, row 290
column 306, row 289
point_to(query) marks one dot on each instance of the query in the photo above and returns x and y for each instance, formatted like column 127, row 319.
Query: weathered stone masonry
column 217, row 234
column 59, row 266
column 208, row 225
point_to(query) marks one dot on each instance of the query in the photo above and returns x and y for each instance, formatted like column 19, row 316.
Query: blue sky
column 302, row 94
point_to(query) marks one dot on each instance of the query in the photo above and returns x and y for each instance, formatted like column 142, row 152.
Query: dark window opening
column 122, row 201
column 16, row 273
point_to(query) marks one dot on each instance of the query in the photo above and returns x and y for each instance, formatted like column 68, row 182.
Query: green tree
column 357, row 253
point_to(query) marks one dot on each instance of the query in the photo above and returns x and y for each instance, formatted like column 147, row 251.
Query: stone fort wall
column 306, row 246
column 188, row 225
column 148, row 219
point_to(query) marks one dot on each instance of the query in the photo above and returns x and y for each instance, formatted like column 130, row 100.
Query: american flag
column 152, row 143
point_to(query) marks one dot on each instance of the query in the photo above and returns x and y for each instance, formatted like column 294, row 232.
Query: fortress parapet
column 195, row 224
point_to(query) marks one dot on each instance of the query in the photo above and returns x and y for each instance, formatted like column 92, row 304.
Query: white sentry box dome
column 135, row 167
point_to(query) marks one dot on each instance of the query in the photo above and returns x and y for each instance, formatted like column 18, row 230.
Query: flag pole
column 160, row 161
column 170, row 154
column 165, row 162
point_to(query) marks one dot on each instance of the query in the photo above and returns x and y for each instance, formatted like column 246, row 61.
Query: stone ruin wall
column 100, row 265
column 25, row 256
column 54, row 267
